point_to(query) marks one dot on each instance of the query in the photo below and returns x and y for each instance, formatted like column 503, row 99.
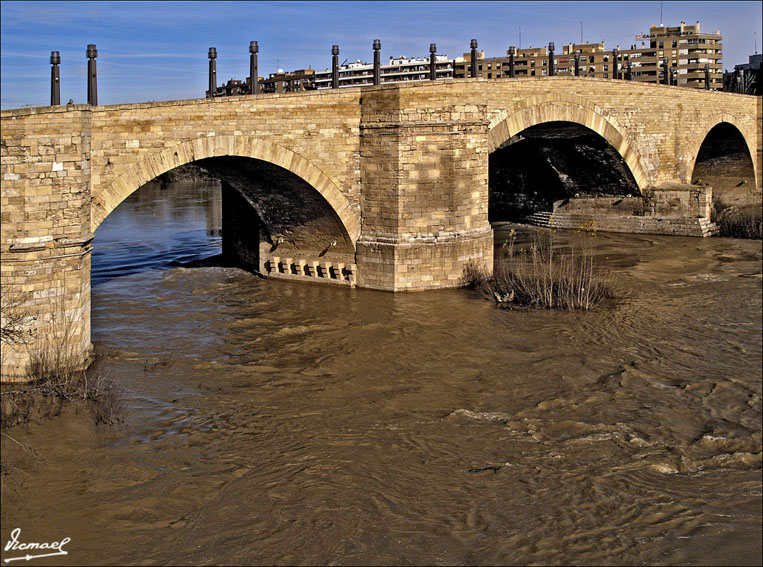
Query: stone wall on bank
column 673, row 210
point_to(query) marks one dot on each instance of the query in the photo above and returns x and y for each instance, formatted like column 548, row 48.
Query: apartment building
column 398, row 69
column 530, row 62
column 687, row 51
column 289, row 82
column 746, row 78
column 680, row 55
column 685, row 48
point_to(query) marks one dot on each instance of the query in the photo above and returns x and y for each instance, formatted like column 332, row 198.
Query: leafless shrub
column 8, row 472
column 740, row 222
column 545, row 277
column 13, row 318
column 56, row 374
column 107, row 401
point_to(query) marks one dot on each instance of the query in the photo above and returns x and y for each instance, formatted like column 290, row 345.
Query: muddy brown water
column 272, row 422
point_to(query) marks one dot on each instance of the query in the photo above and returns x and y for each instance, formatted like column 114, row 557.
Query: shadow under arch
column 716, row 121
column 533, row 111
column 151, row 166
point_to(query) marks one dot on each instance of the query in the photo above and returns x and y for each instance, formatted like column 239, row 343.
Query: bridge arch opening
column 282, row 205
column 724, row 162
column 551, row 162
column 257, row 210
column 268, row 211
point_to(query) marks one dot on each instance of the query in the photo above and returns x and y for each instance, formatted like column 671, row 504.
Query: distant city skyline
column 158, row 50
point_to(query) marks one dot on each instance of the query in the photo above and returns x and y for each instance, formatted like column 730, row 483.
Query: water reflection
column 157, row 226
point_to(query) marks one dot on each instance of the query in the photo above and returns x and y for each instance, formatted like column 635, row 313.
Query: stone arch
column 565, row 108
column 151, row 166
column 714, row 121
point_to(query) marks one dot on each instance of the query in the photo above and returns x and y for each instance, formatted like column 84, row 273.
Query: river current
column 275, row 422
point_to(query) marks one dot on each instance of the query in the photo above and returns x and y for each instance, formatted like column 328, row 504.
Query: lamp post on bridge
column 254, row 87
column 550, row 58
column 92, row 75
column 615, row 70
column 377, row 62
column 212, row 71
column 55, row 78
column 666, row 71
column 707, row 76
column 473, row 45
column 512, row 51
column 628, row 72
column 334, row 66
column 432, row 62
column 576, row 57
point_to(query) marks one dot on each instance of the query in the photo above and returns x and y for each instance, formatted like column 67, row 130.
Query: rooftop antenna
column 520, row 37
column 581, row 33
column 755, row 35
column 660, row 14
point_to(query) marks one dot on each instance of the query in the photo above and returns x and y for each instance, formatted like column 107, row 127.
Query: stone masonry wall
column 45, row 231
column 664, row 126
column 321, row 129
column 403, row 166
column 427, row 149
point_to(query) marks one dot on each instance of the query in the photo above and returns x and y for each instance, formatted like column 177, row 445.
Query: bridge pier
column 46, row 239
column 240, row 231
column 424, row 190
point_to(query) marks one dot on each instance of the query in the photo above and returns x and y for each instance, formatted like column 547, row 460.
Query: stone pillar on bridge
column 46, row 267
column 254, row 85
column 424, row 191
column 551, row 69
column 55, row 78
column 212, row 72
column 473, row 47
column 432, row 62
column 377, row 62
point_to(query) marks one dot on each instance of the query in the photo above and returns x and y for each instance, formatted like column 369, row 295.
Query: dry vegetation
column 740, row 222
column 55, row 374
column 545, row 276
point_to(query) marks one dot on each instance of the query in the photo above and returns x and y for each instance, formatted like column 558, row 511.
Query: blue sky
column 158, row 50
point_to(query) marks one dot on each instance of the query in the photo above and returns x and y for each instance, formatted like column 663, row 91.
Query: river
column 274, row 422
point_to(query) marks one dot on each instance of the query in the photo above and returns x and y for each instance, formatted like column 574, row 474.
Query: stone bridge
column 383, row 187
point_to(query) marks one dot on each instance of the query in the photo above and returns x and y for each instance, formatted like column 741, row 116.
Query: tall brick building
column 685, row 48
